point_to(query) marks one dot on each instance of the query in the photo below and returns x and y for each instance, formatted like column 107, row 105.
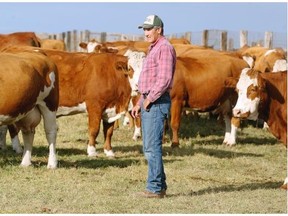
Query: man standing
column 154, row 85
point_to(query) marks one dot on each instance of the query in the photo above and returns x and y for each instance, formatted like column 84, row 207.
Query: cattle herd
column 40, row 79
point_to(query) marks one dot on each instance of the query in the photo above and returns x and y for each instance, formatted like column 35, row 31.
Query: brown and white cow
column 263, row 95
column 199, row 84
column 119, row 47
column 92, row 83
column 264, row 59
column 96, row 84
column 95, row 47
column 7, row 40
column 29, row 90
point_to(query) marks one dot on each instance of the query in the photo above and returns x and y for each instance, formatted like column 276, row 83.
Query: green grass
column 203, row 176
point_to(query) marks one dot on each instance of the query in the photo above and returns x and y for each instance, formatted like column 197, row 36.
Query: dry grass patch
column 203, row 176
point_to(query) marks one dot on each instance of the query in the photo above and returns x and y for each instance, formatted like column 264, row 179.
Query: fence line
column 217, row 39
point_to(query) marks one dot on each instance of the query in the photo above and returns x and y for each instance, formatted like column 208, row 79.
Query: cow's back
column 89, row 75
column 19, row 39
column 22, row 77
column 53, row 44
column 201, row 80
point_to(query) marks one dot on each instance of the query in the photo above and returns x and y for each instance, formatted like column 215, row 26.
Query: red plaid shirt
column 158, row 69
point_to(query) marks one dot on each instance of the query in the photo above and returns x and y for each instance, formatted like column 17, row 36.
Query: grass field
column 203, row 176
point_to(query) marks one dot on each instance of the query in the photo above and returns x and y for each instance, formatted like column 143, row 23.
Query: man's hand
column 146, row 104
column 135, row 111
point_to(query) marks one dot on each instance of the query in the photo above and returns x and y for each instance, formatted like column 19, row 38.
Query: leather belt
column 146, row 94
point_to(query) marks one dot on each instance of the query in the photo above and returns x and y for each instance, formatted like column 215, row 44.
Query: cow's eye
column 254, row 89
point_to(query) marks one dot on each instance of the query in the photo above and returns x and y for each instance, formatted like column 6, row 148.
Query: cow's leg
column 231, row 124
column 136, row 123
column 14, row 131
column 128, row 120
column 27, row 126
column 137, row 129
column 28, row 138
column 234, row 125
column 94, row 127
column 50, row 126
column 3, row 132
column 227, row 137
column 108, row 133
column 116, row 124
column 176, row 110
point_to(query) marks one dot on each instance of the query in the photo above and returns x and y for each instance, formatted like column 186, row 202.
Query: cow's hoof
column 109, row 153
column 229, row 144
column 93, row 154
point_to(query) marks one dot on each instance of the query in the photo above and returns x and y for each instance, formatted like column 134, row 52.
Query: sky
column 124, row 17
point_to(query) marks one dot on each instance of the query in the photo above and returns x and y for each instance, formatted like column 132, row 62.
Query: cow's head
column 272, row 61
column 94, row 47
column 135, row 62
column 90, row 46
column 249, row 90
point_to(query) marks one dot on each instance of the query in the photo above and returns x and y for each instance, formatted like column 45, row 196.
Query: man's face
column 152, row 34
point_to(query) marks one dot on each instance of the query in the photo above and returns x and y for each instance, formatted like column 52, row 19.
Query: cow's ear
column 230, row 82
column 121, row 66
column 83, row 45
column 97, row 48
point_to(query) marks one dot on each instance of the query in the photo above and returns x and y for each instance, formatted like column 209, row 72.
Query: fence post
column 205, row 38
column 103, row 37
column 59, row 37
column 268, row 40
column 223, row 45
column 243, row 38
column 86, row 35
column 231, row 44
column 74, row 41
column 68, row 40
column 188, row 36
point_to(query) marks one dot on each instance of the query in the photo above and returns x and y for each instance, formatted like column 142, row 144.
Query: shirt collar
column 155, row 43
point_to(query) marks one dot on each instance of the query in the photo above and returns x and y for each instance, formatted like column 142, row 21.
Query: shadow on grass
column 258, row 141
column 217, row 153
column 39, row 154
column 68, row 151
column 94, row 163
column 203, row 127
column 40, row 157
column 225, row 154
column 9, row 157
column 128, row 148
column 233, row 188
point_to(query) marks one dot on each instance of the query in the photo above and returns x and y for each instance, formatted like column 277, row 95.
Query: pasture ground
column 203, row 176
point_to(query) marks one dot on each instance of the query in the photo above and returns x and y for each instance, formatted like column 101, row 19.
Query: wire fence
column 217, row 39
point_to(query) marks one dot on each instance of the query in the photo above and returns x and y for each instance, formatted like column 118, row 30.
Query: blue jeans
column 152, row 133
